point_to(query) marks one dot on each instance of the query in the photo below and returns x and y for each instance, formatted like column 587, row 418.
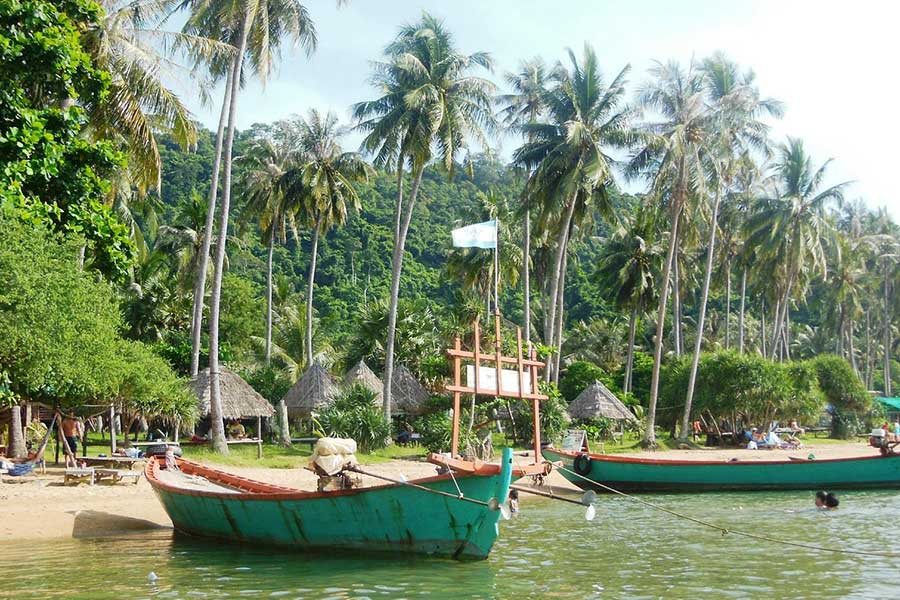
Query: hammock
column 26, row 466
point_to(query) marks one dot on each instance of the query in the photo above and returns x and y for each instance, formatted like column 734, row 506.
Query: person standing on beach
column 71, row 429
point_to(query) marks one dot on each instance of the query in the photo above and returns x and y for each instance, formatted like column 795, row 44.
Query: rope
column 725, row 530
column 421, row 487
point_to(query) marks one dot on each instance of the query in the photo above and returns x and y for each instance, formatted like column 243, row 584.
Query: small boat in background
column 458, row 519
column 628, row 474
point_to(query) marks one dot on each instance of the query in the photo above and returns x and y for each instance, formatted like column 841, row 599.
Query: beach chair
column 78, row 475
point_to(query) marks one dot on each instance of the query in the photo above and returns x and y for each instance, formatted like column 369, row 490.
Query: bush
column 581, row 374
column 554, row 418
column 846, row 393
column 355, row 415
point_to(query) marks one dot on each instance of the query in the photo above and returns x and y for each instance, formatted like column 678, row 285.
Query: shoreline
column 43, row 508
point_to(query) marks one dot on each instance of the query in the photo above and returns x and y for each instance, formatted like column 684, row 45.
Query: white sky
column 834, row 64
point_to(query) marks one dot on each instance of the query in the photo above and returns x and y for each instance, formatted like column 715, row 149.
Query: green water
column 547, row 551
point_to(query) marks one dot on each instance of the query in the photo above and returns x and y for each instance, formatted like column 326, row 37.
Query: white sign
column 487, row 380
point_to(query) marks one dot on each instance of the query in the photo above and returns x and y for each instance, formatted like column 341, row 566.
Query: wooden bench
column 117, row 475
column 305, row 440
column 79, row 475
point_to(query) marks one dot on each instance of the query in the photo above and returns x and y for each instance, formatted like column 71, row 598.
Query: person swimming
column 826, row 500
column 514, row 501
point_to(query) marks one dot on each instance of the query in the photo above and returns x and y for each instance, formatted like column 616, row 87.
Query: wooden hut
column 361, row 374
column 410, row 397
column 597, row 401
column 314, row 390
column 239, row 399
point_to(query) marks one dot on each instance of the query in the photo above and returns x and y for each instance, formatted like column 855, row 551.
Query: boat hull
column 394, row 518
column 649, row 475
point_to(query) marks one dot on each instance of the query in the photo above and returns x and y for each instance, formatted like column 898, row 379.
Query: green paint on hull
column 396, row 519
column 643, row 475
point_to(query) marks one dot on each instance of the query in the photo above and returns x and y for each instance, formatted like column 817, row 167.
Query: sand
column 43, row 508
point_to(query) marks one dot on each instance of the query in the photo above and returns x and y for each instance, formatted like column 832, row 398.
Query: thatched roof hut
column 315, row 389
column 409, row 395
column 361, row 374
column 597, row 401
column 239, row 400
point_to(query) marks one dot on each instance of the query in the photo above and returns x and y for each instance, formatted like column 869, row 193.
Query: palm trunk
column 850, row 349
column 558, row 266
column 526, row 273
column 692, row 380
column 887, row 331
column 868, row 349
column 650, row 433
column 217, row 429
column 16, row 434
column 314, row 251
column 269, row 295
column 676, row 306
column 203, row 259
column 728, row 305
column 560, row 313
column 784, row 304
column 741, row 319
column 284, row 424
column 629, row 360
column 400, row 230
column 786, row 336
column 762, row 329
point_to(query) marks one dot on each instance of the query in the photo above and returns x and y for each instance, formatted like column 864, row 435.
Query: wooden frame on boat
column 526, row 372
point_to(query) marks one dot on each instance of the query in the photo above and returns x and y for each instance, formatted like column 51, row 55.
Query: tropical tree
column 430, row 105
column 629, row 261
column 672, row 157
column 257, row 29
column 523, row 107
column 324, row 178
column 569, row 157
column 790, row 228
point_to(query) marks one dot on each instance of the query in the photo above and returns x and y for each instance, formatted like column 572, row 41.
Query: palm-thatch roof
column 597, row 401
column 409, row 395
column 361, row 374
column 315, row 389
column 239, row 399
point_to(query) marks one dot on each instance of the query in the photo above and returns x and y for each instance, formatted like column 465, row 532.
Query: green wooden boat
column 396, row 518
column 652, row 475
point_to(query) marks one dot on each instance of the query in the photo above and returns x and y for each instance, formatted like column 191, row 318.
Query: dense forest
column 739, row 280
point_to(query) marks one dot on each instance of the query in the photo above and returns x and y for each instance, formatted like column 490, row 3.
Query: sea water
column 548, row 550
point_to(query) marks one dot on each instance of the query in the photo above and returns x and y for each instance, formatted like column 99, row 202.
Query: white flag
column 479, row 235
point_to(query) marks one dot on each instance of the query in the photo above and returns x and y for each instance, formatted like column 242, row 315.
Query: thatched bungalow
column 597, row 401
column 239, row 399
column 409, row 396
column 361, row 374
column 314, row 390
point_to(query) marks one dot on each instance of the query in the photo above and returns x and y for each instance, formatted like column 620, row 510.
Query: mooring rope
column 421, row 487
column 725, row 530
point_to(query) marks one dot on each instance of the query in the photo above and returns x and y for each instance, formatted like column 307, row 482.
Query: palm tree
column 790, row 227
column 568, row 155
column 430, row 102
column 736, row 108
column 522, row 107
column 627, row 264
column 256, row 28
column 324, row 178
column 131, row 45
column 673, row 158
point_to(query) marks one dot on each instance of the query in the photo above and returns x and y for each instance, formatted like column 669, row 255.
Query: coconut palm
column 257, row 29
column 672, row 157
column 628, row 263
column 790, row 228
column 324, row 178
column 521, row 107
column 569, row 158
column 430, row 105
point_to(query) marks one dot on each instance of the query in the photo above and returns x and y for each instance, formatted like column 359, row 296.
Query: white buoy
column 590, row 513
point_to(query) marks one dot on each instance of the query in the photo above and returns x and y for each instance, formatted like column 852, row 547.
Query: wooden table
column 79, row 475
column 257, row 441
column 305, row 440
column 117, row 475
column 112, row 462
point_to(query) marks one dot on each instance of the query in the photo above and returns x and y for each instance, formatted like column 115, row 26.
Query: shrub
column 437, row 431
column 846, row 393
column 355, row 415
column 581, row 374
column 554, row 418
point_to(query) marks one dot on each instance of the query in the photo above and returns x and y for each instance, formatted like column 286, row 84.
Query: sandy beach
column 43, row 508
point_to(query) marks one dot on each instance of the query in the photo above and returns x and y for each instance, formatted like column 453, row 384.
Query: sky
column 834, row 64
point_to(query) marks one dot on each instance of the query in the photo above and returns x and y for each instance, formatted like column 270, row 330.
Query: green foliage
column 844, row 391
column 49, row 173
column 579, row 375
column 242, row 317
column 355, row 415
column 554, row 418
column 730, row 384
column 599, row 428
column 271, row 382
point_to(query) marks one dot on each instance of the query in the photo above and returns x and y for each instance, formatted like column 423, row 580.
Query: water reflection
column 547, row 551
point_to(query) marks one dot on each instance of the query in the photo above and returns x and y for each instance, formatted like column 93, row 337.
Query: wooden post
column 477, row 358
column 112, row 428
column 259, row 434
column 519, row 365
column 499, row 355
column 536, row 408
column 454, row 445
